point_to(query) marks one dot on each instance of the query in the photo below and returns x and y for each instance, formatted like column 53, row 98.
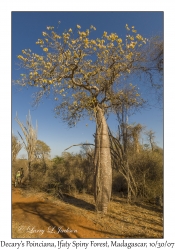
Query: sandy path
column 34, row 218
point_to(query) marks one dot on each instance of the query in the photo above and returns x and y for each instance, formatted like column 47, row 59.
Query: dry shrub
column 147, row 169
column 119, row 184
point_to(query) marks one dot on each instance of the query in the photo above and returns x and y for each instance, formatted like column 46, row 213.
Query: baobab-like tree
column 85, row 77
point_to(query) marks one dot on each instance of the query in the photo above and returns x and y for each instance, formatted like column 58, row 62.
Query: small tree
column 134, row 131
column 42, row 151
column 151, row 135
column 86, row 77
column 29, row 140
column 16, row 147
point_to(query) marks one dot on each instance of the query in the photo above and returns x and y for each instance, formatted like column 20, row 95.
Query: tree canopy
column 82, row 72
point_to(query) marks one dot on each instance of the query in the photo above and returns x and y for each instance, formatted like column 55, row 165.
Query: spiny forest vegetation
column 91, row 78
column 74, row 173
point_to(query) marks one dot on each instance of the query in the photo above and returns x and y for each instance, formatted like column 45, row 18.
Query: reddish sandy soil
column 42, row 215
column 37, row 218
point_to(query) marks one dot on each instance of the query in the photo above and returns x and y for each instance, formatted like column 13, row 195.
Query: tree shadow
column 78, row 202
column 47, row 215
column 149, row 207
column 119, row 200
column 21, row 186
column 117, row 236
column 152, row 223
column 144, row 205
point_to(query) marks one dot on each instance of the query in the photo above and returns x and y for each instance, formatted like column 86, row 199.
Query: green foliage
column 57, row 160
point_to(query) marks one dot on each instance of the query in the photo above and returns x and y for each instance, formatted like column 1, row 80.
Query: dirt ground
column 38, row 218
column 37, row 215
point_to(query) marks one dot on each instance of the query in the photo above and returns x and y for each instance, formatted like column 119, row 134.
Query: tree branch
column 79, row 145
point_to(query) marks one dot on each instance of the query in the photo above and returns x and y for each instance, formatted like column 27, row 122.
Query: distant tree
column 152, row 66
column 134, row 132
column 16, row 147
column 42, row 150
column 29, row 140
column 86, row 77
column 57, row 159
column 151, row 135
column 88, row 152
column 128, row 135
column 157, row 50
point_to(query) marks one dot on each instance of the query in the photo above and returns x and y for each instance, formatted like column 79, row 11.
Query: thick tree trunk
column 102, row 162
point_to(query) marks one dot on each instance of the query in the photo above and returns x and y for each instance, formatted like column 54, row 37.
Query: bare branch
column 79, row 145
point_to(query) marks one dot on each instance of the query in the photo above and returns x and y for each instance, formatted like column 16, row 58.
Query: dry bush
column 69, row 174
column 73, row 174
column 147, row 169
column 119, row 184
